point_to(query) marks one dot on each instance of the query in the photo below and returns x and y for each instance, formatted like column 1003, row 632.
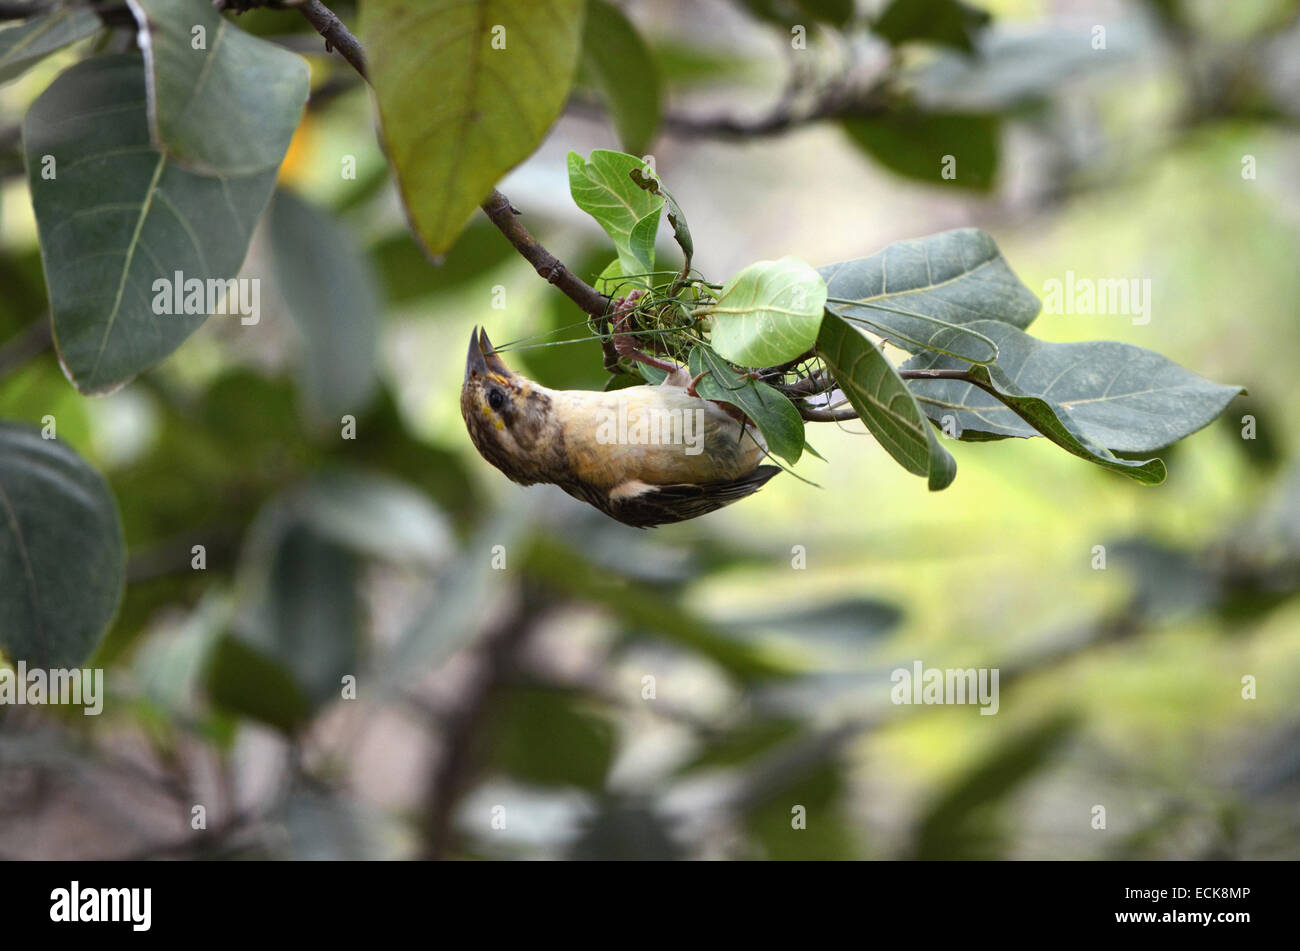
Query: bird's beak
column 482, row 358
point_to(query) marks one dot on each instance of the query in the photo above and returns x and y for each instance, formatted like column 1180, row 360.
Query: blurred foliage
column 501, row 638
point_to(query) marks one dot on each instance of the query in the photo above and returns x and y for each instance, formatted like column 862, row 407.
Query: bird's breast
column 659, row 435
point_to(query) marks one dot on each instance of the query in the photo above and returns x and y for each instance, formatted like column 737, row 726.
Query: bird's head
column 509, row 417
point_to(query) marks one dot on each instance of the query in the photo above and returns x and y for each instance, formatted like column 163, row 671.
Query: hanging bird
column 644, row 455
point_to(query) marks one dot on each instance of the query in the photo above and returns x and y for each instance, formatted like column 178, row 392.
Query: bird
column 643, row 455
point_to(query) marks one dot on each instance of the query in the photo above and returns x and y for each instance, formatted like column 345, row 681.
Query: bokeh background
column 501, row 638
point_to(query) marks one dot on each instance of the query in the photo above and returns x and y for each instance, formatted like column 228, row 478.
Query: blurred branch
column 461, row 725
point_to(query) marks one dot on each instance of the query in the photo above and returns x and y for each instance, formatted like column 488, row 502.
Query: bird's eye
column 496, row 400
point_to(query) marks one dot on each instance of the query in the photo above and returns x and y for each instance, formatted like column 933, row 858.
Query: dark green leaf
column 920, row 294
column 883, row 402
column 227, row 108
column 62, row 561
column 118, row 217
column 29, row 42
column 946, row 22
column 617, row 62
column 1087, row 397
column 549, row 738
column 243, row 680
column 773, row 414
column 327, row 285
column 925, row 145
column 406, row 274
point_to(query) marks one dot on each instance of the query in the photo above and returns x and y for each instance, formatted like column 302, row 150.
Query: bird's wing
column 643, row 506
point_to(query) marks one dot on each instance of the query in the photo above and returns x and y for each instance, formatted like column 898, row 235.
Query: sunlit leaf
column 602, row 187
column 467, row 89
column 768, row 313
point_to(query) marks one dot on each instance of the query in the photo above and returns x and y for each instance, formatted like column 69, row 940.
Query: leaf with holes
column 116, row 217
column 62, row 560
column 227, row 107
column 467, row 89
column 603, row 187
column 26, row 44
column 922, row 294
column 883, row 402
column 768, row 313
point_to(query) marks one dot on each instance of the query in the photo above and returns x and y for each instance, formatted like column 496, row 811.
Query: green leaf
column 548, row 738
column 787, row 14
column 946, row 22
column 773, row 414
column 920, row 145
column 883, row 402
column 617, row 62
column 676, row 217
column 328, row 287
column 62, row 560
column 768, row 313
column 918, row 294
column 1093, row 398
column 29, row 42
column 119, row 216
column 602, row 187
column 245, row 681
column 458, row 113
column 228, row 108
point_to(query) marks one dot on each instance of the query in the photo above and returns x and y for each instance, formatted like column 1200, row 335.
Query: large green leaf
column 768, row 313
column 883, row 402
column 773, row 414
column 326, row 283
column 31, row 41
column 1088, row 397
column 119, row 216
column 458, row 113
column 617, row 62
column 228, row 107
column 62, row 561
column 924, row 145
column 243, row 680
column 602, row 186
column 918, row 294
